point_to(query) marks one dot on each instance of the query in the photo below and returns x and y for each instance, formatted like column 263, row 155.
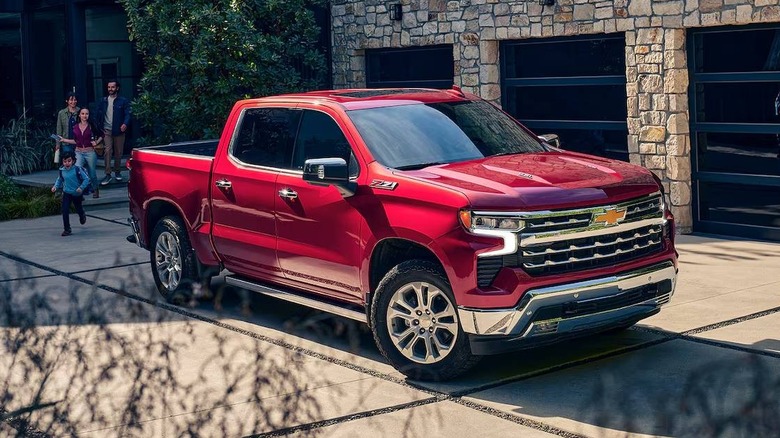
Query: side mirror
column 329, row 172
column 551, row 139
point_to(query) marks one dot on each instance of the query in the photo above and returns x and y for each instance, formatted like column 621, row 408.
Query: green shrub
column 28, row 202
column 8, row 189
column 25, row 147
column 201, row 56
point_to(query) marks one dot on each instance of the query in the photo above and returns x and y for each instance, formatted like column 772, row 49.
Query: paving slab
column 671, row 389
column 713, row 310
column 753, row 333
column 511, row 366
column 189, row 374
column 13, row 270
column 97, row 244
column 720, row 279
column 443, row 419
column 273, row 413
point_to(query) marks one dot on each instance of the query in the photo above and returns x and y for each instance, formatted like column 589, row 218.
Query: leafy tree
column 200, row 56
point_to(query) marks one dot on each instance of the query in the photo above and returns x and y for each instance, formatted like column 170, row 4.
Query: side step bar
column 297, row 299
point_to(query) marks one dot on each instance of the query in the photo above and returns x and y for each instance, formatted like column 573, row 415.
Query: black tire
column 173, row 261
column 406, row 329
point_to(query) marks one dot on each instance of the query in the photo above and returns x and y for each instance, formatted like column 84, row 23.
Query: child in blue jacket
column 73, row 180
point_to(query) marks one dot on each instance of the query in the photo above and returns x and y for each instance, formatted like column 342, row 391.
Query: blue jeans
column 90, row 158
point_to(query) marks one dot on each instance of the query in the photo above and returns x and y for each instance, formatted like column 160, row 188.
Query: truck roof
column 359, row 98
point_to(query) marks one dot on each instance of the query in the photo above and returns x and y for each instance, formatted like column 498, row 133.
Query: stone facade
column 656, row 58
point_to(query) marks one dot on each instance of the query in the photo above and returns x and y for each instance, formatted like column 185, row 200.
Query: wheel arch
column 389, row 253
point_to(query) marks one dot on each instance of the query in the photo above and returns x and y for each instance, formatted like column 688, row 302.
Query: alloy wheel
column 422, row 322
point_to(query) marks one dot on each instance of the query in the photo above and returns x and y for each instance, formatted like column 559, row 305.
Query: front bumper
column 554, row 313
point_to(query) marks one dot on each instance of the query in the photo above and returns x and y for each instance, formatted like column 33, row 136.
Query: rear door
column 318, row 229
column 244, row 189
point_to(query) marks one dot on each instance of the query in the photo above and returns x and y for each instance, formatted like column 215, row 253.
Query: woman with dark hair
column 85, row 138
column 67, row 118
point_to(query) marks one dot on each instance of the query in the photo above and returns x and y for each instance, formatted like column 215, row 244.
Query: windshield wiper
column 420, row 165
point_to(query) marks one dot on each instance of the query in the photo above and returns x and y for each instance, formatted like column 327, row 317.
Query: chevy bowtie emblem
column 610, row 217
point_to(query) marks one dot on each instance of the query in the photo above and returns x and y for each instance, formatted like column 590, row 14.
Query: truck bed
column 206, row 148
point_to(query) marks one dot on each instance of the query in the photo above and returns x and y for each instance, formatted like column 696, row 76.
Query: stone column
column 657, row 104
column 489, row 88
column 467, row 61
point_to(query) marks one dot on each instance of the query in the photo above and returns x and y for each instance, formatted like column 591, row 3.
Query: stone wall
column 656, row 58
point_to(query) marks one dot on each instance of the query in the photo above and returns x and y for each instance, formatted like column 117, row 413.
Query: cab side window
column 320, row 137
column 265, row 137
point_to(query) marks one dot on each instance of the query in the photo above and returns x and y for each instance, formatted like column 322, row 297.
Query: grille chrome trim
column 528, row 251
column 594, row 257
column 530, row 239
column 555, row 242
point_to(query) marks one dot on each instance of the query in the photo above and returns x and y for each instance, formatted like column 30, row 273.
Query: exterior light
column 396, row 12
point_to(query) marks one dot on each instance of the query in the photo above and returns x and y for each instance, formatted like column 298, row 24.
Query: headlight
column 505, row 228
column 474, row 222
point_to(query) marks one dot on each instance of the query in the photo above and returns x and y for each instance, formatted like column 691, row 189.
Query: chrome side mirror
column 551, row 139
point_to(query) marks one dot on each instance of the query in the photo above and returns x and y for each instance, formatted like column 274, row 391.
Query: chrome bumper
column 602, row 293
column 136, row 231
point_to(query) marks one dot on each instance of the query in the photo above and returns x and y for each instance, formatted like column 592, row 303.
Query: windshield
column 419, row 135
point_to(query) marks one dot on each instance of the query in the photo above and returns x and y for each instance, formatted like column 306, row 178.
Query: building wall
column 656, row 59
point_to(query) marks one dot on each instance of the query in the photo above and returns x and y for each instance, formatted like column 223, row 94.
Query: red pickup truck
column 432, row 215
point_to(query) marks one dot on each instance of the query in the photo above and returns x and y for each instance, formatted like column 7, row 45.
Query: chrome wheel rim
column 422, row 322
column 167, row 256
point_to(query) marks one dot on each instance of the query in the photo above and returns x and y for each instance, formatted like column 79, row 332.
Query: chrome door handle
column 288, row 193
column 224, row 184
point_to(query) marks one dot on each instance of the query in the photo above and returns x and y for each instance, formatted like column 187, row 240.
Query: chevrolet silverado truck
column 431, row 215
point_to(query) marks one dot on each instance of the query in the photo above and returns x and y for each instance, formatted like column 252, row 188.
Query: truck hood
column 546, row 180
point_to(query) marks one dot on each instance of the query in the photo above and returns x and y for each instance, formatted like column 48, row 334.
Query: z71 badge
column 384, row 185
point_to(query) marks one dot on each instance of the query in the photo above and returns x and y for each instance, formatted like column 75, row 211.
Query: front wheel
column 174, row 267
column 415, row 323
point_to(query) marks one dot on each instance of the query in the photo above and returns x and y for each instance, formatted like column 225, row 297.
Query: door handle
column 224, row 184
column 288, row 194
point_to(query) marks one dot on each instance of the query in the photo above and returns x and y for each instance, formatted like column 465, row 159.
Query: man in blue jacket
column 114, row 118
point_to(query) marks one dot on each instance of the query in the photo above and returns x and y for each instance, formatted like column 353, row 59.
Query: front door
column 318, row 229
column 243, row 190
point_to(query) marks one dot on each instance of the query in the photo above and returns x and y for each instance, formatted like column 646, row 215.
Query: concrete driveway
column 89, row 349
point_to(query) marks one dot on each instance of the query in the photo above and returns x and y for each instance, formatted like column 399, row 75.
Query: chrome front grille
column 553, row 248
column 554, row 242
column 590, row 252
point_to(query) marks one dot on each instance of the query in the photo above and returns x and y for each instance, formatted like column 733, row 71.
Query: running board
column 297, row 299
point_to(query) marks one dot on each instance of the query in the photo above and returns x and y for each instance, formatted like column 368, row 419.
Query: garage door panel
column 735, row 130
column 572, row 86
column 728, row 152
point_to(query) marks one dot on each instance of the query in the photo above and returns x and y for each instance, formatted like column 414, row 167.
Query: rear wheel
column 415, row 323
column 174, row 266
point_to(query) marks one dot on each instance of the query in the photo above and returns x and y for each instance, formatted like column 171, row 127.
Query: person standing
column 85, row 137
column 66, row 120
column 114, row 115
column 73, row 181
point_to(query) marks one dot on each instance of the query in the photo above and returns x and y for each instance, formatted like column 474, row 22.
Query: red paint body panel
column 178, row 181
column 323, row 242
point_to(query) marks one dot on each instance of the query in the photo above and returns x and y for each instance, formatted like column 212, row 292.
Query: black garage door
column 413, row 67
column 735, row 100
column 573, row 87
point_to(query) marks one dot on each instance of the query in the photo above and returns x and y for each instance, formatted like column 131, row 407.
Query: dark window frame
column 297, row 165
column 719, row 177
column 372, row 81
column 550, row 125
column 234, row 141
